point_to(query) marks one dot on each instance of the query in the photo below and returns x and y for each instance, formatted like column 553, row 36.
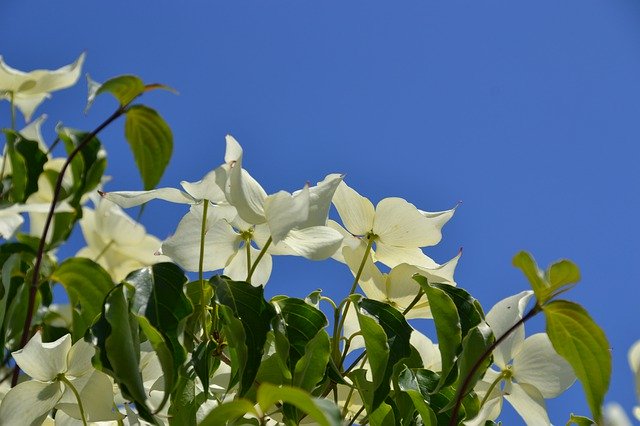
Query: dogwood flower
column 634, row 363
column 397, row 227
column 398, row 288
column 28, row 90
column 530, row 368
column 11, row 217
column 115, row 241
column 63, row 378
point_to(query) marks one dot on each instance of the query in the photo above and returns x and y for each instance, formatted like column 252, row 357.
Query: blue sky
column 525, row 112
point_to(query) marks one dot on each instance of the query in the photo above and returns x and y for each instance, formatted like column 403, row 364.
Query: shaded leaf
column 323, row 411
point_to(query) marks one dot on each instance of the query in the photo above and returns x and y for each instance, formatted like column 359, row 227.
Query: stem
column 467, row 380
column 355, row 417
column 13, row 110
column 259, row 258
column 203, row 231
column 40, row 254
column 337, row 331
column 247, row 247
column 414, row 302
column 53, row 145
column 491, row 388
column 66, row 381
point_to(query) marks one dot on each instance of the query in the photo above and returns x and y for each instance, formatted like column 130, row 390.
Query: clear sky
column 527, row 112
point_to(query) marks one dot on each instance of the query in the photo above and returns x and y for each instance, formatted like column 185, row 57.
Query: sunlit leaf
column 579, row 340
column 151, row 142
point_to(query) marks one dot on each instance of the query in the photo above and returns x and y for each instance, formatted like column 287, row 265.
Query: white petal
column 80, row 358
column 351, row 327
column 442, row 274
column 539, row 365
column 285, row 212
column 429, row 352
column 44, row 361
column 96, row 394
column 116, row 225
column 233, row 152
column 400, row 223
column 237, row 269
column 372, row 281
column 614, row 415
column 356, row 211
column 27, row 104
column 315, row 243
column 320, row 200
column 126, row 199
column 402, row 289
column 32, row 132
column 348, row 240
column 29, row 403
column 9, row 223
column 210, row 187
column 245, row 194
column 634, row 364
column 489, row 411
column 221, row 241
column 528, row 402
column 49, row 81
column 501, row 318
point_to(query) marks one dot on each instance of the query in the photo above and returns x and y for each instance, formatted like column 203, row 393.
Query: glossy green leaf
column 247, row 305
column 323, row 411
column 447, row 322
column 160, row 298
column 118, row 348
column 229, row 411
column 579, row 340
column 165, row 356
column 382, row 416
column 86, row 284
column 310, row 369
column 151, row 142
column 474, row 345
column 408, row 383
column 27, row 163
column 301, row 322
column 88, row 167
column 386, row 334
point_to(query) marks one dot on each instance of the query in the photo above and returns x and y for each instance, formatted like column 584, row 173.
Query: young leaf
column 151, row 142
column 124, row 88
column 86, row 284
column 557, row 278
column 323, row 411
column 524, row 261
column 246, row 305
column 579, row 420
column 579, row 340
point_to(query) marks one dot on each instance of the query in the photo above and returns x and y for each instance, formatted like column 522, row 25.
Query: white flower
column 530, row 369
column 115, row 241
column 614, row 415
column 30, row 89
column 398, row 228
column 398, row 288
column 634, row 364
column 57, row 369
column 11, row 217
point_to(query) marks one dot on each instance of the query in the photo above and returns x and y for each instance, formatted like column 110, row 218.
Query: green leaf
column 86, row 284
column 300, row 322
column 151, row 142
column 118, row 348
column 27, row 163
column 447, row 322
column 382, row 416
column 408, row 383
column 160, row 298
column 124, row 88
column 386, row 336
column 559, row 277
column 246, row 305
column 88, row 167
column 310, row 369
column 165, row 356
column 474, row 345
column 579, row 340
column 229, row 411
column 579, row 420
column 323, row 411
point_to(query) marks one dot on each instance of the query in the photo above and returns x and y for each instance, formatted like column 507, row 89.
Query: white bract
column 59, row 371
column 29, row 89
column 530, row 369
column 397, row 227
column 11, row 217
column 398, row 288
column 115, row 241
column 634, row 363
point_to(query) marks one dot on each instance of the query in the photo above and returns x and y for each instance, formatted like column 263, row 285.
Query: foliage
column 176, row 349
